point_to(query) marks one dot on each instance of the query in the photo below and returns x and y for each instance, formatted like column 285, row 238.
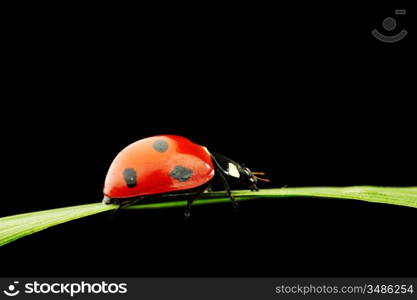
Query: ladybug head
column 252, row 178
column 237, row 172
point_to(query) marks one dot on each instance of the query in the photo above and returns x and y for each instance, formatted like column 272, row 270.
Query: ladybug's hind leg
column 187, row 212
column 127, row 203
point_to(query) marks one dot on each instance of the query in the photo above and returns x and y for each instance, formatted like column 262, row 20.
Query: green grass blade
column 15, row 227
column 405, row 196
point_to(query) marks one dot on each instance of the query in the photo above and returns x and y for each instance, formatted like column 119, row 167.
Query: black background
column 301, row 91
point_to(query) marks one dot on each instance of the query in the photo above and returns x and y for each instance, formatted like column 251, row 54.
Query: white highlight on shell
column 233, row 171
column 205, row 148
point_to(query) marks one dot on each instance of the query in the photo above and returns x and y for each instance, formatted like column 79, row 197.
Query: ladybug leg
column 126, row 204
column 253, row 187
column 187, row 212
column 228, row 191
column 221, row 172
column 190, row 201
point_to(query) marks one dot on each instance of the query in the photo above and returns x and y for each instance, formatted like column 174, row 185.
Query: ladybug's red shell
column 159, row 164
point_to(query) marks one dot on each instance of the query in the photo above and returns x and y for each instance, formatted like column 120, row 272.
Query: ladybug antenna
column 259, row 178
column 262, row 179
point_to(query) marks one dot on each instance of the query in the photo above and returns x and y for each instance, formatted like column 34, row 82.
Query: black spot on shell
column 160, row 146
column 130, row 177
column 181, row 173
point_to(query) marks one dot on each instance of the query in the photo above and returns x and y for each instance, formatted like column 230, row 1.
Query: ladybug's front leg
column 253, row 187
column 228, row 191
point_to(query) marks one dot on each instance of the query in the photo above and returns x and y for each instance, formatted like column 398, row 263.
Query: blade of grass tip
column 404, row 196
column 18, row 226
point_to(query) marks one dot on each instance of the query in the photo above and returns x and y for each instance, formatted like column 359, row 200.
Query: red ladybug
column 167, row 164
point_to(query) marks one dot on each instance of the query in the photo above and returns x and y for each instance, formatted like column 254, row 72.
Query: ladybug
column 170, row 164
